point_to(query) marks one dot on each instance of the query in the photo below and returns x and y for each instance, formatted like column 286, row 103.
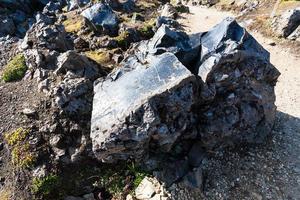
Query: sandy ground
column 271, row 171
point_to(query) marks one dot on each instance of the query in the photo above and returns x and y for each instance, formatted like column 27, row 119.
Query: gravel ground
column 272, row 170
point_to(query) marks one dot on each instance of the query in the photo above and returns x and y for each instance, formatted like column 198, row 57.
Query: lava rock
column 7, row 27
column 287, row 22
column 78, row 64
column 295, row 35
column 44, row 35
column 139, row 104
column 241, row 79
column 73, row 4
column 186, row 48
column 102, row 18
column 71, row 96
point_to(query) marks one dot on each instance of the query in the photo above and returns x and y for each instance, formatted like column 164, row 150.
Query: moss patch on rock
column 101, row 57
column 15, row 69
column 73, row 23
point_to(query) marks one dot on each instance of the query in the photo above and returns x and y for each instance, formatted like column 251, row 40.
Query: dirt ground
column 270, row 171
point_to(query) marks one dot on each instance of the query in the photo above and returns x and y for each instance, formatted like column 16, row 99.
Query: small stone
column 29, row 111
column 145, row 190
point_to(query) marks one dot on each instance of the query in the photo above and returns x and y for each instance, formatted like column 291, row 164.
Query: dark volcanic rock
column 102, row 18
column 78, row 64
column 186, row 48
column 153, row 101
column 44, row 34
column 240, row 79
column 7, row 26
column 287, row 22
column 142, row 104
column 73, row 4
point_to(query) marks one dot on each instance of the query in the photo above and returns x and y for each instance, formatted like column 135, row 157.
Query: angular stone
column 146, row 189
column 295, row 35
column 43, row 35
column 78, row 64
column 288, row 22
column 73, row 4
column 238, row 70
column 186, row 48
column 101, row 15
column 141, row 104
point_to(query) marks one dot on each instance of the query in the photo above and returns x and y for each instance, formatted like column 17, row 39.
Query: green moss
column 15, row 69
column 122, row 40
column 16, row 136
column 46, row 187
column 73, row 24
column 182, row 9
column 138, row 174
column 147, row 29
column 101, row 57
column 21, row 154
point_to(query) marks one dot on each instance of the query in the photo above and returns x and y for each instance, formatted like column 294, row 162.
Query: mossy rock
column 15, row 69
column 73, row 23
column 146, row 30
column 101, row 57
column 123, row 40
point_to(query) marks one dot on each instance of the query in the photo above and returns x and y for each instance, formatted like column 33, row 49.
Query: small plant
column 21, row 153
column 22, row 157
column 15, row 69
column 147, row 29
column 46, row 186
column 122, row 39
column 138, row 174
column 16, row 136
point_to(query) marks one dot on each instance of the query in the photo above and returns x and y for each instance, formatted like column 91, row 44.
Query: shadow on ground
column 268, row 171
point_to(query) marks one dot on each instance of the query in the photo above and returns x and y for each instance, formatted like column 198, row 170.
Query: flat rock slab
column 139, row 103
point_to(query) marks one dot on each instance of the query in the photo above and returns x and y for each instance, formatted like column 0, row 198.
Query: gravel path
column 270, row 171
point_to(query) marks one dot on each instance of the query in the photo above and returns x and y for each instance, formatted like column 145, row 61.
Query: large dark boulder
column 216, row 88
column 102, row 18
column 238, row 89
column 142, row 105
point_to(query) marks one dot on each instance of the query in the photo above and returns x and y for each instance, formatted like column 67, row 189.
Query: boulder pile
column 214, row 88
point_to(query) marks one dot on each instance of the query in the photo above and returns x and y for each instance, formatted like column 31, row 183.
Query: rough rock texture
column 186, row 48
column 239, row 84
column 7, row 27
column 141, row 105
column 295, row 35
column 287, row 22
column 102, row 18
column 44, row 34
column 73, row 4
column 78, row 64
column 147, row 105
